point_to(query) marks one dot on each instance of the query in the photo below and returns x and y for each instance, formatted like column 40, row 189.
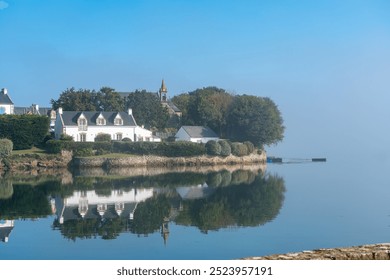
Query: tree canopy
column 106, row 99
column 236, row 117
column 147, row 109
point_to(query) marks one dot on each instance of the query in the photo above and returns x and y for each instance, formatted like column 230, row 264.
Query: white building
column 197, row 134
column 85, row 126
column 6, row 104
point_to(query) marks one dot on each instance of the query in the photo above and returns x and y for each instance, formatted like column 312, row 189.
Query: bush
column 24, row 130
column 250, row 147
column 225, row 148
column 239, row 149
column 6, row 147
column 213, row 148
column 66, row 137
column 126, row 139
column 103, row 137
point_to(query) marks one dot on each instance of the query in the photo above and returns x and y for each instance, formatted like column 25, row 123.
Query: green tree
column 109, row 100
column 76, row 100
column 24, row 130
column 208, row 106
column 147, row 109
column 255, row 119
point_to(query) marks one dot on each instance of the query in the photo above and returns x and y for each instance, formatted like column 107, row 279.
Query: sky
column 324, row 63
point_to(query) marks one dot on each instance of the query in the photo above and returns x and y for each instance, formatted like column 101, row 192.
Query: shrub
column 126, row 139
column 213, row 148
column 24, row 130
column 66, row 137
column 83, row 152
column 225, row 148
column 250, row 147
column 239, row 149
column 103, row 137
column 6, row 147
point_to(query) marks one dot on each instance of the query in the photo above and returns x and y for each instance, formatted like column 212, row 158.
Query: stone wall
column 157, row 161
column 365, row 252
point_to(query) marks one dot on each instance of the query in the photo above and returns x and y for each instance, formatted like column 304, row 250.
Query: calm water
column 195, row 214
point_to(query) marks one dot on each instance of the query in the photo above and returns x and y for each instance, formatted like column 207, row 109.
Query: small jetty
column 272, row 159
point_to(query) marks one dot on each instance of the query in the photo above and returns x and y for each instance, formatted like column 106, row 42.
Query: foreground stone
column 364, row 252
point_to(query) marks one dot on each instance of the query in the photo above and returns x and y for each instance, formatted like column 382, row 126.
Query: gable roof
column 199, row 131
column 71, row 117
column 5, row 99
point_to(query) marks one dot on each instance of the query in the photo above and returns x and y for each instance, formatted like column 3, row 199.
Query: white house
column 197, row 134
column 6, row 104
column 85, row 126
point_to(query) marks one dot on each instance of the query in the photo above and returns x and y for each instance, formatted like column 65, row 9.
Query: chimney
column 130, row 111
column 60, row 110
column 5, row 91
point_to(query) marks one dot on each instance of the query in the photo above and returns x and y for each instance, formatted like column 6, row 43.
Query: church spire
column 163, row 92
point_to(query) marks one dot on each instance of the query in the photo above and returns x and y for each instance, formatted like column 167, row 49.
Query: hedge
column 213, row 148
column 225, row 148
column 6, row 147
column 24, row 130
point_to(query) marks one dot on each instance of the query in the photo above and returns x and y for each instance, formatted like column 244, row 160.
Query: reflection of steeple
column 5, row 229
column 165, row 230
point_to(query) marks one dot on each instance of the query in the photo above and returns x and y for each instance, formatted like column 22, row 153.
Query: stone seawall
column 157, row 161
column 365, row 252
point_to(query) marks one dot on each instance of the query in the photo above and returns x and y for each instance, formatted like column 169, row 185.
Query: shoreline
column 378, row 251
column 65, row 160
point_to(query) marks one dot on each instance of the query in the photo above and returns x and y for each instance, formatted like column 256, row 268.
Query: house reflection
column 5, row 229
column 90, row 205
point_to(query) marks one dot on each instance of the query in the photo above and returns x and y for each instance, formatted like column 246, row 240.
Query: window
column 101, row 121
column 2, row 110
column 83, row 137
column 118, row 121
column 82, row 122
column 119, row 136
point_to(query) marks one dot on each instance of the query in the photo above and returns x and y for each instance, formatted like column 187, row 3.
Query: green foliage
column 255, row 119
column 213, row 148
column 6, row 189
column 106, row 99
column 66, row 137
column 24, row 130
column 225, row 148
column 103, row 137
column 239, row 149
column 171, row 149
column 6, row 147
column 249, row 146
column 147, row 109
column 207, row 107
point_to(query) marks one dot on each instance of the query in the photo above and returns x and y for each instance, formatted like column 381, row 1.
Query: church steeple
column 163, row 92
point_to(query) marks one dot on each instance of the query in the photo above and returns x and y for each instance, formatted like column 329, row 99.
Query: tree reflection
column 105, row 207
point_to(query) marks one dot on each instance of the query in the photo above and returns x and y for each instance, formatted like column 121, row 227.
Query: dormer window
column 82, row 123
column 118, row 121
column 101, row 120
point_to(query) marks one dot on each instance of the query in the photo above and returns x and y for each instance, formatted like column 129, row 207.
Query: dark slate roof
column 72, row 212
column 173, row 106
column 5, row 232
column 5, row 99
column 44, row 111
column 71, row 117
column 199, row 131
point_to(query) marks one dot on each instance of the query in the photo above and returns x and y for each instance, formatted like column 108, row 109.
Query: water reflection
column 94, row 203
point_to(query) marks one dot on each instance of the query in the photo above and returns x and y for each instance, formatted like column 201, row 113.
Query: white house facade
column 197, row 134
column 85, row 126
column 6, row 104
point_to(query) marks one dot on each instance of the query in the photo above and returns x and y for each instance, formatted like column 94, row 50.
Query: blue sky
column 322, row 62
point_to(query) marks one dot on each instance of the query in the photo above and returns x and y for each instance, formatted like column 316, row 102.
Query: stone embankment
column 157, row 161
column 365, row 252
